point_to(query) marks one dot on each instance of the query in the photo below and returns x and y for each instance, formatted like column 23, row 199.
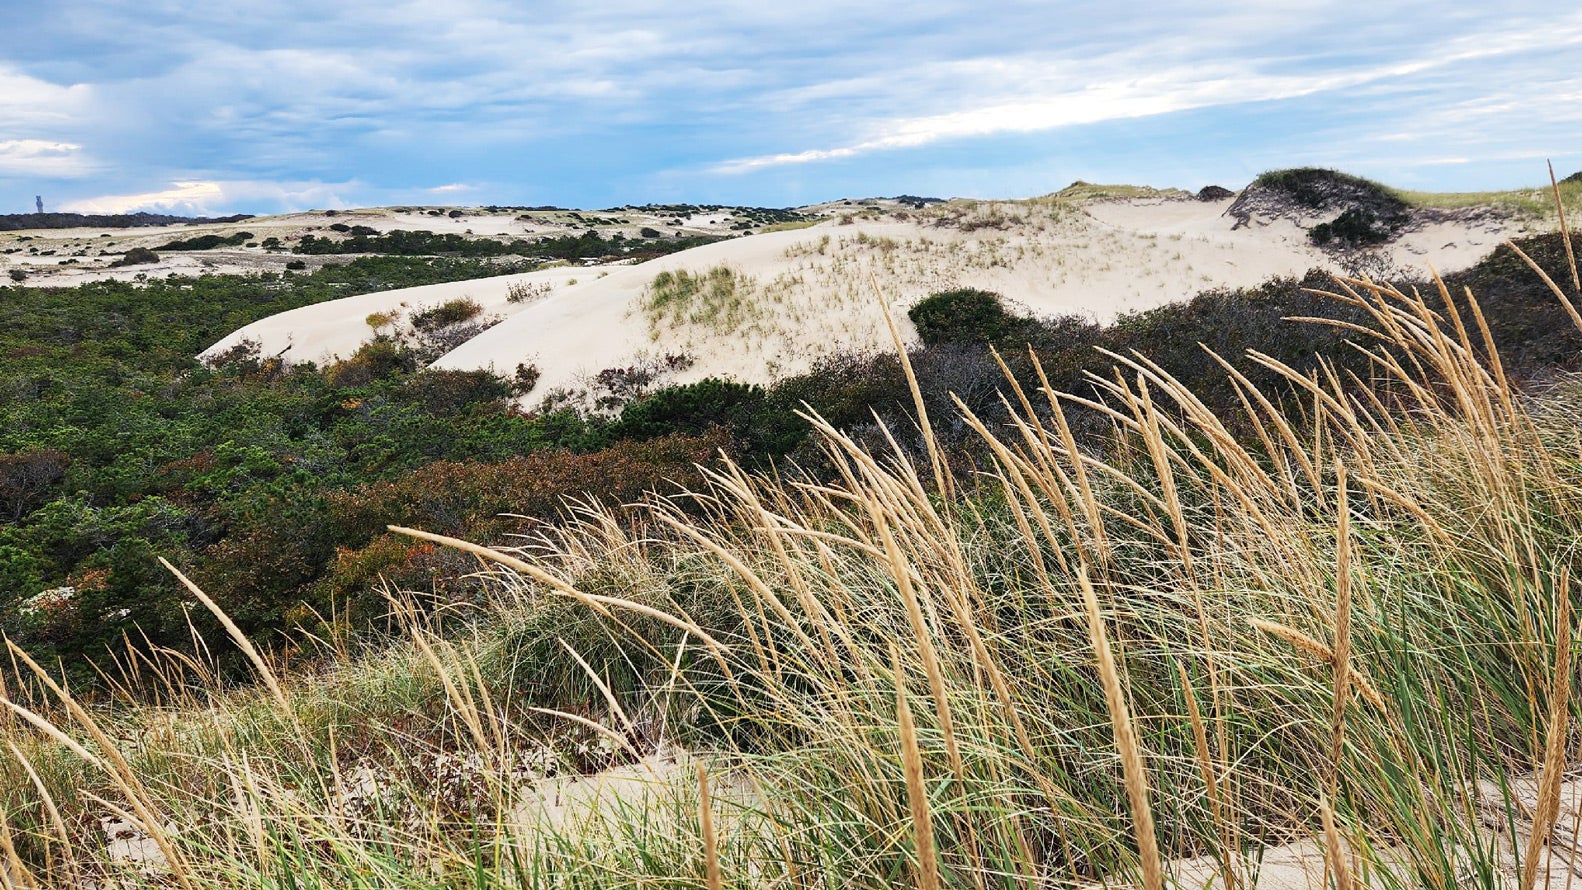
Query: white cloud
column 210, row 197
column 1162, row 93
column 28, row 104
column 39, row 157
column 451, row 188
column 1057, row 93
column 185, row 196
column 598, row 98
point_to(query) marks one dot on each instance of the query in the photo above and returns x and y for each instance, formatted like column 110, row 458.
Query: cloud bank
column 184, row 104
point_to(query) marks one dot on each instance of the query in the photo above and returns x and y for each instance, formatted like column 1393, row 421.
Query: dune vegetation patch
column 208, row 242
column 447, row 313
column 1090, row 191
column 1322, row 189
column 719, row 300
column 1533, row 202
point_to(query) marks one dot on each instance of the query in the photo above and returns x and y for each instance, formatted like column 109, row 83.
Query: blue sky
column 198, row 106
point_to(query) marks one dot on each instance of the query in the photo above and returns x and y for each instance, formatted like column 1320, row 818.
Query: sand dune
column 810, row 292
column 324, row 331
column 776, row 302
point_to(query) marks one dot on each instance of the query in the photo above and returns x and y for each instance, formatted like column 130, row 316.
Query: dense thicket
column 116, row 445
column 11, row 222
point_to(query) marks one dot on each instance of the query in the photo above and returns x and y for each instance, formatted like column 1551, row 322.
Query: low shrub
column 137, row 256
column 967, row 315
column 445, row 314
column 758, row 426
column 473, row 499
column 26, row 478
column 1317, row 188
column 1354, row 227
column 524, row 378
column 380, row 357
column 207, row 242
column 448, row 392
column 526, row 291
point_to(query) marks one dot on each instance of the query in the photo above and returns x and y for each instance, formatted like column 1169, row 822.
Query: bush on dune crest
column 1350, row 620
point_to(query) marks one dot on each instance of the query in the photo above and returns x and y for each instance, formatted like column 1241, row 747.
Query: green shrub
column 447, row 313
column 757, row 426
column 26, row 478
column 448, row 392
column 524, row 378
column 1355, row 227
column 1318, row 188
column 207, row 242
column 471, row 499
column 378, row 358
column 137, row 256
column 967, row 315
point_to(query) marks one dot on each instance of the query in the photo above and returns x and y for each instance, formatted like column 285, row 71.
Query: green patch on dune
column 717, row 299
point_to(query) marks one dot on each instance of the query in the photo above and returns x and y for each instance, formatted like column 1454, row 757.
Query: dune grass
column 1562, row 194
column 1533, row 202
column 1349, row 620
column 790, row 225
column 719, row 300
column 1090, row 191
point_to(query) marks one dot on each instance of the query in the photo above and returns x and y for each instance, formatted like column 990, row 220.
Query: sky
column 204, row 107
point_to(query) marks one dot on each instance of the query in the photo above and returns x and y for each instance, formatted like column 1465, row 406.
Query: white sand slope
column 584, row 329
column 810, row 292
column 323, row 331
column 797, row 295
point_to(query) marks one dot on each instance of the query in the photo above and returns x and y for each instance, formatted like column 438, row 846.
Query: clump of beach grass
column 719, row 300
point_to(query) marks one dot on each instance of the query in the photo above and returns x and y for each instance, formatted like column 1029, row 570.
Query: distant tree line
column 11, row 222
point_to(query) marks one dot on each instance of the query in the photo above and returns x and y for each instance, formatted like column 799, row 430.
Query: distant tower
column 38, row 201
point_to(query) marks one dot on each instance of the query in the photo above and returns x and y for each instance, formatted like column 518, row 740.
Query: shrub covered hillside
column 117, row 447
column 1321, row 633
